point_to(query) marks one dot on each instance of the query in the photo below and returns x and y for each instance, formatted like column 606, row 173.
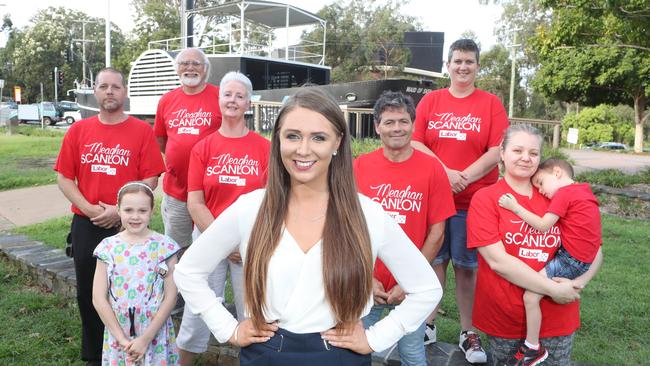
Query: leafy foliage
column 601, row 123
column 364, row 37
column 614, row 178
column 596, row 52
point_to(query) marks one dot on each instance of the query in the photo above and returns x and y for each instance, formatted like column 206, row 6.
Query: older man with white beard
column 184, row 116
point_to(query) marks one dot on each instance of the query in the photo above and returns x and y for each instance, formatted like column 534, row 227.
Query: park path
column 26, row 206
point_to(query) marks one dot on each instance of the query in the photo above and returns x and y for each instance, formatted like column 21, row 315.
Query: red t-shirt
column 461, row 130
column 498, row 304
column 185, row 120
column 415, row 192
column 579, row 220
column 224, row 168
column 102, row 158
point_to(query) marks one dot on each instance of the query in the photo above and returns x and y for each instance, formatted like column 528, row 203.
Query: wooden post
column 256, row 117
column 556, row 136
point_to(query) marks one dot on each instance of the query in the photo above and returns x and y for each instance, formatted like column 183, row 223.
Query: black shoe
column 526, row 356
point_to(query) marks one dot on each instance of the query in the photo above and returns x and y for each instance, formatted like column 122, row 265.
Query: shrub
column 601, row 123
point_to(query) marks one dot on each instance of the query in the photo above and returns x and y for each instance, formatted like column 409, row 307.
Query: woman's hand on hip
column 245, row 334
column 353, row 338
column 565, row 291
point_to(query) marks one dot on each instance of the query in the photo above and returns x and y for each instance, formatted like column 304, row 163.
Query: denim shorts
column 564, row 265
column 454, row 245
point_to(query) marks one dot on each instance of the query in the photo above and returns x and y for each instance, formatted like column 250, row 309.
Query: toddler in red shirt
column 575, row 210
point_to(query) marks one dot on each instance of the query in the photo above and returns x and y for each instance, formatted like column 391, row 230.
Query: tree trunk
column 639, row 108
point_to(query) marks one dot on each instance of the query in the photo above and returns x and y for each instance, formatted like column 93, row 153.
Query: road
column 589, row 160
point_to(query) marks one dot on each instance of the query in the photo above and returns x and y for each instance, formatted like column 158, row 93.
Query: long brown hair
column 347, row 255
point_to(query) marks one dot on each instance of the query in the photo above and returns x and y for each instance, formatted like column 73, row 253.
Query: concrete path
column 595, row 160
column 26, row 206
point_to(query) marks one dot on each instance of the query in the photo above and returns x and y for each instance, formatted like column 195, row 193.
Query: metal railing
column 262, row 116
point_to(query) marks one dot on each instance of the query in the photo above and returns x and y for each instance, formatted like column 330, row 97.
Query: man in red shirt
column 185, row 116
column 413, row 188
column 98, row 156
column 462, row 126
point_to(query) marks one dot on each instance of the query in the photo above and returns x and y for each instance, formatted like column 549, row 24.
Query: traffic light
column 60, row 78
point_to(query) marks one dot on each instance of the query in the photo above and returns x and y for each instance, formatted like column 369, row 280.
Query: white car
column 71, row 117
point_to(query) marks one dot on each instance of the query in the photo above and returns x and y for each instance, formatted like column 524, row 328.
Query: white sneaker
column 470, row 343
column 430, row 334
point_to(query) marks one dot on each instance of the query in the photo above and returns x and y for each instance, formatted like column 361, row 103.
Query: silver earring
column 334, row 153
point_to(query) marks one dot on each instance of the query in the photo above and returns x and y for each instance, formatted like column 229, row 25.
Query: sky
column 450, row 16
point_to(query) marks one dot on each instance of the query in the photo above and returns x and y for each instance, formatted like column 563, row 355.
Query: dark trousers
column 286, row 348
column 85, row 237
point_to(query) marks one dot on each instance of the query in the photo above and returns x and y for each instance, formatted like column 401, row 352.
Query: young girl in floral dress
column 133, row 289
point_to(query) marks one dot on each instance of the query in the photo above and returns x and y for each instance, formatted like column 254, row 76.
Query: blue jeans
column 564, row 265
column 410, row 347
column 454, row 245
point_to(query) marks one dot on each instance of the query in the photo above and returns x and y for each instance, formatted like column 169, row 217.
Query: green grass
column 38, row 328
column 614, row 178
column 54, row 232
column 364, row 146
column 26, row 158
column 614, row 305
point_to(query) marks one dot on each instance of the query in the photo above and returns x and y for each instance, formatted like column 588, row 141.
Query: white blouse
column 295, row 293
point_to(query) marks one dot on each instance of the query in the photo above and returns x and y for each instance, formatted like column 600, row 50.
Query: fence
column 262, row 115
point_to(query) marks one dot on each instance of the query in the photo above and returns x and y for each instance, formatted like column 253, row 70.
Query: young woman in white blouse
column 308, row 243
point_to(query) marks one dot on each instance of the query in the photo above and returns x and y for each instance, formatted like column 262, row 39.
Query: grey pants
column 177, row 220
column 559, row 349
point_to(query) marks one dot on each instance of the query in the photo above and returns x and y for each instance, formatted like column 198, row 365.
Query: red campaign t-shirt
column 579, row 220
column 102, row 158
column 415, row 192
column 224, row 168
column 185, row 120
column 498, row 304
column 461, row 130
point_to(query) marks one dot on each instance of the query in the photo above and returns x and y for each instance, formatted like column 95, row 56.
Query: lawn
column 26, row 158
column 38, row 328
column 614, row 305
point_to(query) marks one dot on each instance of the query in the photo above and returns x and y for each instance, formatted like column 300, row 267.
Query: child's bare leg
column 533, row 314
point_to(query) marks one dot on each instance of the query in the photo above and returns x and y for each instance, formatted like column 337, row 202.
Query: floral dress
column 135, row 285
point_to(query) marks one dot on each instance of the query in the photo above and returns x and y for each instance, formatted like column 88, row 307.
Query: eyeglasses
column 193, row 63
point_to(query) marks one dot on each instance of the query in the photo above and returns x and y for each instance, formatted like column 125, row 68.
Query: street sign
column 17, row 96
column 572, row 136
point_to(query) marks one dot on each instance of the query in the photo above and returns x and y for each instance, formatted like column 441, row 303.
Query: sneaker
column 470, row 344
column 526, row 356
column 430, row 334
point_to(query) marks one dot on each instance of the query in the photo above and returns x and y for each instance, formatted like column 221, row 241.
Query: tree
column 494, row 76
column 356, row 31
column 597, row 52
column 601, row 123
column 385, row 39
column 44, row 45
column 6, row 54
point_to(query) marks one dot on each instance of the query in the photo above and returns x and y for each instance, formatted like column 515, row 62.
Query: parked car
column 612, row 146
column 71, row 117
column 34, row 112
column 66, row 106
